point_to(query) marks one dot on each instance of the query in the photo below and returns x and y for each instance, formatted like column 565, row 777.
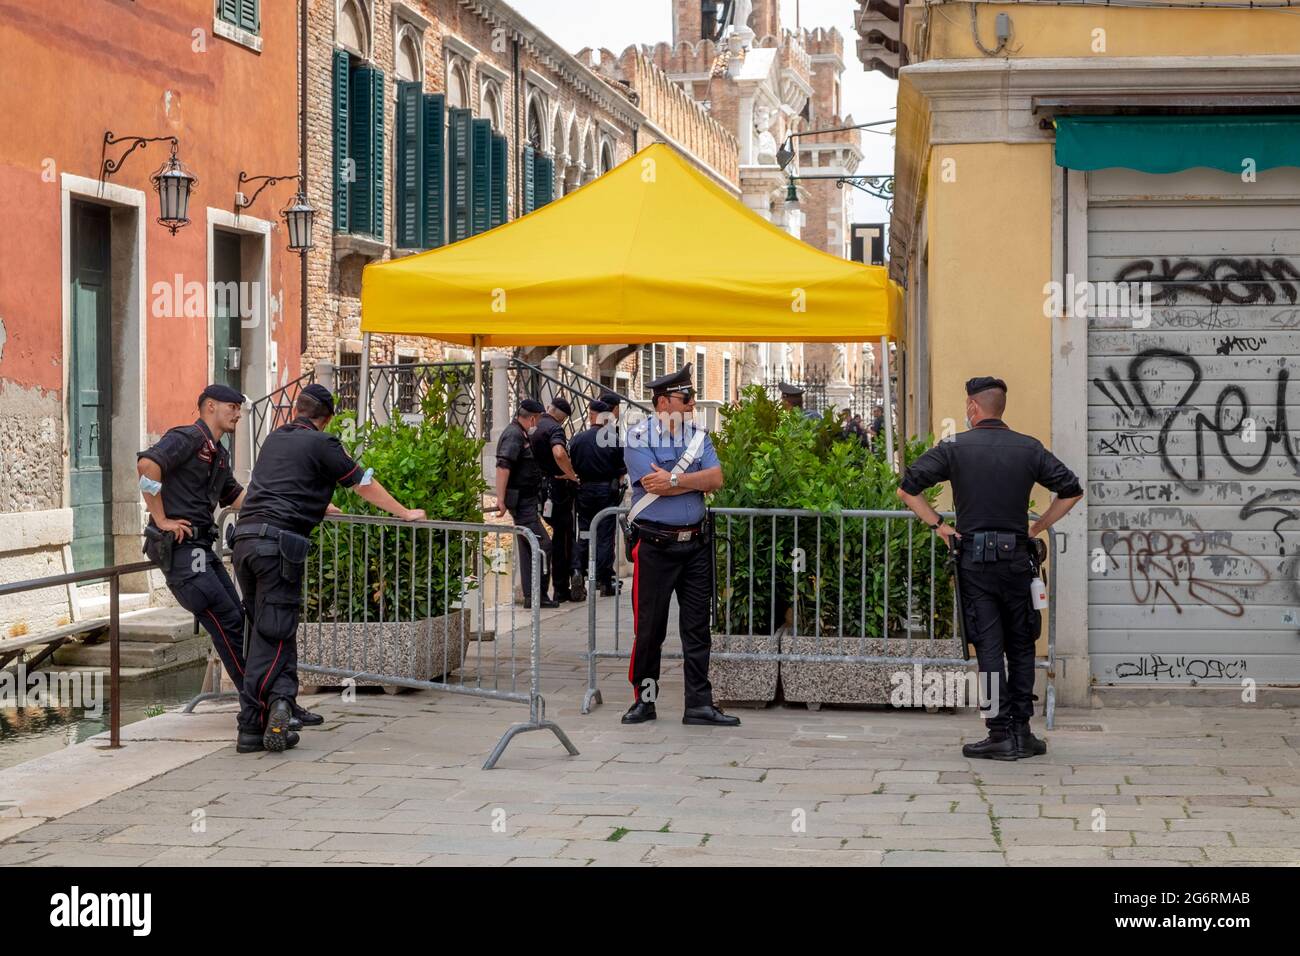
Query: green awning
column 1169, row 144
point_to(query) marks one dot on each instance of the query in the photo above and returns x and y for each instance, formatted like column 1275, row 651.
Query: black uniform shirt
column 549, row 433
column 294, row 477
column 597, row 455
column 992, row 470
column 196, row 474
column 515, row 452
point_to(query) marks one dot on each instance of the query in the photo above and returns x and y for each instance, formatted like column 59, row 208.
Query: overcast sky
column 616, row 24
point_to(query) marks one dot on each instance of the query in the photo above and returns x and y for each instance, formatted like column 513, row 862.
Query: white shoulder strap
column 688, row 458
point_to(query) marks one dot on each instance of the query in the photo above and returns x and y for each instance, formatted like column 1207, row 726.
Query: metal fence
column 401, row 389
column 268, row 413
column 427, row 605
column 813, row 379
column 821, row 582
column 530, row 381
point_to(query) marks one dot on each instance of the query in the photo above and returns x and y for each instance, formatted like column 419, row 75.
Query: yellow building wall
column 989, row 225
column 1064, row 31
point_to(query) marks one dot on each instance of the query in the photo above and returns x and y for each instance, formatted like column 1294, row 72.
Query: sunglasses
column 685, row 394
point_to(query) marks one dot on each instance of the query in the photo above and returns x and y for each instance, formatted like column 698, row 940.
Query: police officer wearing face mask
column 289, row 494
column 672, row 465
column 597, row 455
column 993, row 471
column 559, row 488
column 519, row 481
column 184, row 478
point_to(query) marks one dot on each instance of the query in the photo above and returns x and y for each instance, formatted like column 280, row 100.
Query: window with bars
column 679, row 359
column 726, row 378
column 701, row 368
column 653, row 365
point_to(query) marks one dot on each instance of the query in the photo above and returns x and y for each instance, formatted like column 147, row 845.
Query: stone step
column 95, row 606
column 134, row 653
column 159, row 625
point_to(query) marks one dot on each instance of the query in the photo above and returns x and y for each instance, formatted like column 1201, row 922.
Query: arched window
column 458, row 84
column 606, row 157
column 353, row 27
column 490, row 105
column 407, row 63
column 536, row 129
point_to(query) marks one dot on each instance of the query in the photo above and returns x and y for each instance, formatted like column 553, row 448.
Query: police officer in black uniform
column 792, row 397
column 597, row 456
column 993, row 470
column 288, row 495
column 672, row 465
column 184, row 478
column 519, row 481
column 559, row 488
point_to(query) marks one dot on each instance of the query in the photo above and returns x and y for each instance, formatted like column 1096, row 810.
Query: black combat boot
column 578, row 587
column 998, row 745
column 305, row 718
column 275, row 738
column 252, row 743
column 1026, row 742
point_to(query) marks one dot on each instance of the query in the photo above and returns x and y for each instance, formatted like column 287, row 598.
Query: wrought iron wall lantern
column 298, row 216
column 173, row 182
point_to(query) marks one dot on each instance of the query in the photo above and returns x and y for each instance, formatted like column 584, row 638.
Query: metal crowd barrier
column 828, row 594
column 427, row 605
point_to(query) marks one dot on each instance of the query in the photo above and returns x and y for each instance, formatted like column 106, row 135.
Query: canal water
column 27, row 732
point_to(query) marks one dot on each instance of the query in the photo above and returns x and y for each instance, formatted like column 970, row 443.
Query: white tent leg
column 363, row 386
column 478, row 386
column 889, row 403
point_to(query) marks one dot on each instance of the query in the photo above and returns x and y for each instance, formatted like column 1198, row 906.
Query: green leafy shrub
column 359, row 572
column 773, row 459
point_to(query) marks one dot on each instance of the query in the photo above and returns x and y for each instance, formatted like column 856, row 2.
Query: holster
column 630, row 537
column 293, row 555
column 158, row 546
column 990, row 546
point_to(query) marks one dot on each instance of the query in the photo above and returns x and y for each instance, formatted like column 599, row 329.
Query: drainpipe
column 519, row 166
column 302, row 149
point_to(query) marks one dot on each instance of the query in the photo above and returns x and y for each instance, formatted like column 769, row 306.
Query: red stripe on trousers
column 636, row 577
column 233, row 655
column 268, row 674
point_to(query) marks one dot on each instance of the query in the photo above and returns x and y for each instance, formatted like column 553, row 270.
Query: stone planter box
column 744, row 681
column 816, row 684
column 410, row 649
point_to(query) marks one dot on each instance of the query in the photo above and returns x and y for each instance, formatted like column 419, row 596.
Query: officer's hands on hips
column 656, row 482
column 179, row 527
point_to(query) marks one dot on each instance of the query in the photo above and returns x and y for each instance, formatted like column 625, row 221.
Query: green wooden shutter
column 228, row 10
column 544, row 188
column 481, row 176
column 500, row 180
column 530, row 185
column 342, row 203
column 249, row 18
column 435, row 166
column 459, row 161
column 367, row 151
column 408, row 181
column 377, row 167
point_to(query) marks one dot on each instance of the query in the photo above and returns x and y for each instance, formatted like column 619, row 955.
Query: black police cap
column 596, row 405
column 221, row 393
column 667, row 383
column 322, row 395
column 983, row 383
column 611, row 399
column 530, row 406
column 563, row 405
column 794, row 391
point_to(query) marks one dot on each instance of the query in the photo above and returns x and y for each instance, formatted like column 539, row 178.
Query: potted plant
column 390, row 598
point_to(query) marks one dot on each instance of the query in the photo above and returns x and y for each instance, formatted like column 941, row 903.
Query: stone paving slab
column 398, row 781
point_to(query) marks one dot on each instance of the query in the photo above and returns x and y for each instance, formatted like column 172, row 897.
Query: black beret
column 596, row 405
column 679, row 379
column 983, row 383
column 321, row 394
column 612, row 399
column 530, row 406
column 562, row 404
column 221, row 393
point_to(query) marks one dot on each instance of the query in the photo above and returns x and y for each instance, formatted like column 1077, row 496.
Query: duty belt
column 606, row 484
column 989, row 546
column 666, row 533
column 259, row 531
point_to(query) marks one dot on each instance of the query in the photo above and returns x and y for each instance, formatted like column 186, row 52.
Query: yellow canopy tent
column 651, row 251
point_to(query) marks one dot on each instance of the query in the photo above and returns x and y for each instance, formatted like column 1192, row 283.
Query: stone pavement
column 397, row 780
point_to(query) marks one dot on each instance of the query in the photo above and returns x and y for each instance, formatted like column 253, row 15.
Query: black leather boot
column 1026, row 742
column 639, row 713
column 252, row 743
column 709, row 716
column 998, row 745
column 578, row 587
column 275, row 737
column 305, row 718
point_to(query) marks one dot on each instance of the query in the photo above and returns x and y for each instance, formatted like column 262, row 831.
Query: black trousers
column 201, row 585
column 1003, row 624
column 524, row 514
column 562, row 522
column 658, row 572
column 592, row 499
column 274, row 604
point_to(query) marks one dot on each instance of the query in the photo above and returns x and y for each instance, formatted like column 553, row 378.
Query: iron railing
column 268, row 413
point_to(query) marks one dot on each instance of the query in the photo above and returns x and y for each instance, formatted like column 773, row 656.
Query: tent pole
column 478, row 386
column 889, row 403
column 363, row 391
